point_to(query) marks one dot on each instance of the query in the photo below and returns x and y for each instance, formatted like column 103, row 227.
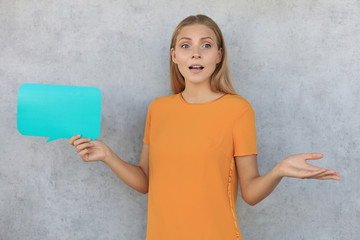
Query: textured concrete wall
column 297, row 62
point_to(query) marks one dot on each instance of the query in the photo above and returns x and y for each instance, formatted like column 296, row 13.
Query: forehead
column 196, row 31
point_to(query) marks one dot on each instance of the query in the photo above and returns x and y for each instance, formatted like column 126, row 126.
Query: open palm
column 297, row 167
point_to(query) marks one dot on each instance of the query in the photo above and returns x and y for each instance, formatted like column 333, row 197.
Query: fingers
column 81, row 141
column 323, row 173
column 80, row 147
column 84, row 154
column 330, row 177
column 73, row 138
column 313, row 173
column 327, row 174
column 311, row 156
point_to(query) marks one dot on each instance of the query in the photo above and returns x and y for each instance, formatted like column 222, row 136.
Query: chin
column 197, row 80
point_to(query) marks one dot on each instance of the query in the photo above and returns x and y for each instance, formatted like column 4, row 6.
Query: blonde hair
column 220, row 80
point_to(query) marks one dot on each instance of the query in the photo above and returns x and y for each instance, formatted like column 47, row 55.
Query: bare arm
column 134, row 176
column 254, row 188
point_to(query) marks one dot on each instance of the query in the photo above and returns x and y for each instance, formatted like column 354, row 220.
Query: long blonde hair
column 220, row 80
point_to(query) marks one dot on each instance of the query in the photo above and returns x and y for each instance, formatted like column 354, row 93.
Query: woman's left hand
column 297, row 167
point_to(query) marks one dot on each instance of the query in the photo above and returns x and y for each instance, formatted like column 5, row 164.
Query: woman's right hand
column 90, row 150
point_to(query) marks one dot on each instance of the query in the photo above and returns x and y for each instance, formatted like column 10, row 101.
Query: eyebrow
column 187, row 38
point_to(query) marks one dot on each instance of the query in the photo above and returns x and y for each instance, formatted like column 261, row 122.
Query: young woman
column 198, row 143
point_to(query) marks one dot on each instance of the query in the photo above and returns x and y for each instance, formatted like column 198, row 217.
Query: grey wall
column 297, row 62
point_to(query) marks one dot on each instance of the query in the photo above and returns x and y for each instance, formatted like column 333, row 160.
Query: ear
column 220, row 52
column 173, row 56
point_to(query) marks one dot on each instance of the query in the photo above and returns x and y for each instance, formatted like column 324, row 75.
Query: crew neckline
column 199, row 104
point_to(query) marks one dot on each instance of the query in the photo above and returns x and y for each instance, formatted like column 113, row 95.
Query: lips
column 196, row 67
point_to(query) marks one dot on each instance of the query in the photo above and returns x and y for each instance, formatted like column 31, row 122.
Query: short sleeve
column 244, row 134
column 146, row 138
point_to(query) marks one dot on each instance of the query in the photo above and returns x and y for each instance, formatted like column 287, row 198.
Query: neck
column 198, row 93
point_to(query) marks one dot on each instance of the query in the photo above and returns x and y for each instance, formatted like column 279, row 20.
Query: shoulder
column 238, row 103
column 163, row 101
column 238, row 99
column 240, row 106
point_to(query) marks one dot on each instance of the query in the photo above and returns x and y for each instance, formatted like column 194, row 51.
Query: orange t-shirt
column 193, row 181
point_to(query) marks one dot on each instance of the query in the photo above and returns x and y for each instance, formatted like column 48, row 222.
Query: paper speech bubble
column 58, row 111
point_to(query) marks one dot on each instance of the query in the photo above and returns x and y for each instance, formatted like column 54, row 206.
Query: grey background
column 297, row 62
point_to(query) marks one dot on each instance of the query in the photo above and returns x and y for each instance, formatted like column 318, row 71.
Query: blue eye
column 206, row 45
column 185, row 46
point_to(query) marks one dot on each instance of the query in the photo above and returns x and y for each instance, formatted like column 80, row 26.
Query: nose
column 196, row 53
column 196, row 56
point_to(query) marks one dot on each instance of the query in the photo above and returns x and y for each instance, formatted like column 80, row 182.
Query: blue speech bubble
column 58, row 111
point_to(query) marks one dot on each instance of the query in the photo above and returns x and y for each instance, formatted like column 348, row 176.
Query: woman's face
column 196, row 53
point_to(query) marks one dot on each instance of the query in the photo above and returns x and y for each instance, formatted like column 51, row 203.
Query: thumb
column 311, row 156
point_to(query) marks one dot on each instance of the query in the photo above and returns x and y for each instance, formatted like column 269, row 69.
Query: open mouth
column 196, row 67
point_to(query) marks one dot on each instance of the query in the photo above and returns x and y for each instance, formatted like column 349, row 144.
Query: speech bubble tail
column 50, row 139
